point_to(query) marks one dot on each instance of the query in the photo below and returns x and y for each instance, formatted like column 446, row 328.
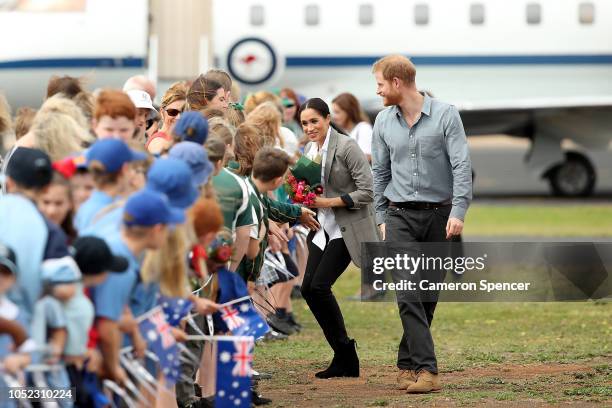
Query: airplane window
column 421, row 14
column 477, row 14
column 534, row 13
column 586, row 13
column 257, row 15
column 312, row 15
column 366, row 14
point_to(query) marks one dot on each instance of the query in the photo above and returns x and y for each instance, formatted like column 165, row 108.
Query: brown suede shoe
column 405, row 378
column 426, row 382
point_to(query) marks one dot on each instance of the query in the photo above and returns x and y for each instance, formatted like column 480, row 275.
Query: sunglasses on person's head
column 173, row 112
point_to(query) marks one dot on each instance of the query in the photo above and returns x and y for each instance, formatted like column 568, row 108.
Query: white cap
column 141, row 99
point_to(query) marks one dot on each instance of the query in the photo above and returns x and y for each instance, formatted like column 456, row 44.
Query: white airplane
column 540, row 69
column 103, row 40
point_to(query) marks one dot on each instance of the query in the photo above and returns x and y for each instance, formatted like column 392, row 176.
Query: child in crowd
column 81, row 183
column 95, row 261
column 146, row 218
column 14, row 339
column 144, row 108
column 216, row 153
column 56, row 204
column 114, row 116
column 28, row 174
column 191, row 127
column 107, row 160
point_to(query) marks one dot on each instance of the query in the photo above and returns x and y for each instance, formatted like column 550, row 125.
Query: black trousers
column 416, row 348
column 322, row 270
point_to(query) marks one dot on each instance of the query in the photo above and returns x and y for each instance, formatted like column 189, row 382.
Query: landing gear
column 575, row 177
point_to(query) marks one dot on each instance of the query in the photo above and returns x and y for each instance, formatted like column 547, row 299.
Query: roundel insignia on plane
column 253, row 61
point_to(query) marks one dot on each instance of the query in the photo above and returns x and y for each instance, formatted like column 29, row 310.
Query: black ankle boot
column 335, row 369
column 345, row 362
column 350, row 359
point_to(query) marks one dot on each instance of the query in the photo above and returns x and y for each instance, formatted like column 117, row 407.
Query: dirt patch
column 508, row 385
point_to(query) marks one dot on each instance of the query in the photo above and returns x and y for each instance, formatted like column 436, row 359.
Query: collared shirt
column 325, row 216
column 428, row 162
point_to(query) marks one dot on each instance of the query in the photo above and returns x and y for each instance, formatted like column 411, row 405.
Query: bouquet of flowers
column 205, row 261
column 219, row 251
column 303, row 183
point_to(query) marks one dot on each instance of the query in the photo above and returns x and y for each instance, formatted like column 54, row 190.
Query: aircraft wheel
column 575, row 177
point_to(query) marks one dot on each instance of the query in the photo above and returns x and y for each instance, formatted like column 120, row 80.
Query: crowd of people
column 113, row 208
column 111, row 203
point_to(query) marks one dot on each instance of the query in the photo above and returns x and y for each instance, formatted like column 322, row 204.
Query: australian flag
column 158, row 335
column 234, row 357
column 175, row 309
column 240, row 318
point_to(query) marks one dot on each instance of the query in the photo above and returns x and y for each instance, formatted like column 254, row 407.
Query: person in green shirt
column 248, row 144
column 238, row 211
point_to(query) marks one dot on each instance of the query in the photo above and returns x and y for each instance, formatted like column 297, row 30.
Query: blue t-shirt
column 23, row 228
column 79, row 317
column 144, row 297
column 111, row 296
column 48, row 314
column 88, row 210
column 106, row 225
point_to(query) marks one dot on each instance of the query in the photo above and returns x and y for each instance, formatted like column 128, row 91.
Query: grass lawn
column 561, row 221
column 489, row 353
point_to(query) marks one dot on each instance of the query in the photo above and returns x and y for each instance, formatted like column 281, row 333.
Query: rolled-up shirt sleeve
column 459, row 155
column 381, row 170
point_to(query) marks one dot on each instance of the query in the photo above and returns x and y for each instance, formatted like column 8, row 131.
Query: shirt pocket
column 431, row 146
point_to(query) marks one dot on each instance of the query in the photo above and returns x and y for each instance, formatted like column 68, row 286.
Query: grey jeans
column 416, row 348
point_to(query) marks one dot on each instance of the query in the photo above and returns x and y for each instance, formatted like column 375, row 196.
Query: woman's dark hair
column 322, row 109
column 201, row 92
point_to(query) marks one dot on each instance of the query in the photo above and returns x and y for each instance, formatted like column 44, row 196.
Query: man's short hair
column 396, row 66
column 270, row 163
column 220, row 76
column 114, row 103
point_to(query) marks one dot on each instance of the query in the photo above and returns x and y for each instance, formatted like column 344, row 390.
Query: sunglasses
column 173, row 112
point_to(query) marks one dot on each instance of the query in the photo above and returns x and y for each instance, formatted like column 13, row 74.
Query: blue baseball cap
column 192, row 127
column 112, row 154
column 61, row 270
column 173, row 178
column 147, row 208
column 196, row 157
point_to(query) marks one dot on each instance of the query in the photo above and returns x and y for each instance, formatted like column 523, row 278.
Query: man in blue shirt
column 146, row 217
column 107, row 160
column 422, row 190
